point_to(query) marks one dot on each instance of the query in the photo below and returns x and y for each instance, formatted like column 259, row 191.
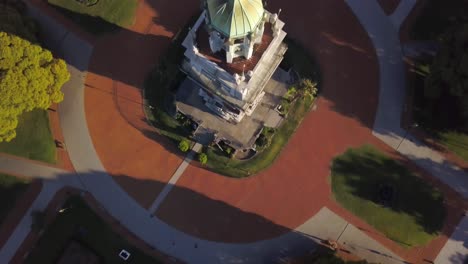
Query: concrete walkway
column 157, row 202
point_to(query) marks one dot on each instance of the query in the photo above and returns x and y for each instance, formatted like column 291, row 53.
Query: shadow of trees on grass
column 364, row 173
column 94, row 25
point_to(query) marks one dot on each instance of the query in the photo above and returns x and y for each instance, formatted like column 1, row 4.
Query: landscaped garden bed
column 78, row 223
column 387, row 196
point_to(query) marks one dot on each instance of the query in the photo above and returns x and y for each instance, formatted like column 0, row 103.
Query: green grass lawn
column 98, row 236
column 117, row 12
column 455, row 142
column 238, row 168
column 413, row 217
column 34, row 139
column 11, row 188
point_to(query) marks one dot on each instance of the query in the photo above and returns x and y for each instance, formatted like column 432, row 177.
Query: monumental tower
column 232, row 51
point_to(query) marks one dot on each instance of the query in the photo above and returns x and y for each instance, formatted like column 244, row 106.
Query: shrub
column 184, row 145
column 291, row 93
column 261, row 141
column 285, row 105
column 228, row 150
column 202, row 158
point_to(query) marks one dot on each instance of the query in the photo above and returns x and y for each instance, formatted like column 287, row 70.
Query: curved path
column 93, row 178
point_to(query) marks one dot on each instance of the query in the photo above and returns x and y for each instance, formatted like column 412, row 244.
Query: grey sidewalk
column 180, row 170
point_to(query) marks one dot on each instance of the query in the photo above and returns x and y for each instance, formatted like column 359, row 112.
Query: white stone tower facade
column 232, row 51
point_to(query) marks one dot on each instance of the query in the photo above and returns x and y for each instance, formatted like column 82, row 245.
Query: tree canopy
column 448, row 77
column 30, row 77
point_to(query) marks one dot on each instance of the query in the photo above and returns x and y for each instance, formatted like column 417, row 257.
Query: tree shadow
column 91, row 24
column 459, row 258
column 205, row 218
column 367, row 173
column 347, row 59
column 193, row 220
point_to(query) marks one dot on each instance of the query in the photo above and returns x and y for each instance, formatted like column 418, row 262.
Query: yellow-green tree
column 30, row 77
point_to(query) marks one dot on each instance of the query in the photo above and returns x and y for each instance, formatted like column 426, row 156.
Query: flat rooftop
column 237, row 66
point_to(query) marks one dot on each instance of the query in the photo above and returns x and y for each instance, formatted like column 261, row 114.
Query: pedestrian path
column 22, row 167
column 348, row 236
column 180, row 170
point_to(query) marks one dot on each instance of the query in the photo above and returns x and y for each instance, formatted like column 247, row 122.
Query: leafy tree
column 14, row 22
column 30, row 78
column 203, row 158
column 448, row 77
column 184, row 145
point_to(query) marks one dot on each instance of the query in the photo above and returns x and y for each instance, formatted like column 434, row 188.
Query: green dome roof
column 235, row 18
